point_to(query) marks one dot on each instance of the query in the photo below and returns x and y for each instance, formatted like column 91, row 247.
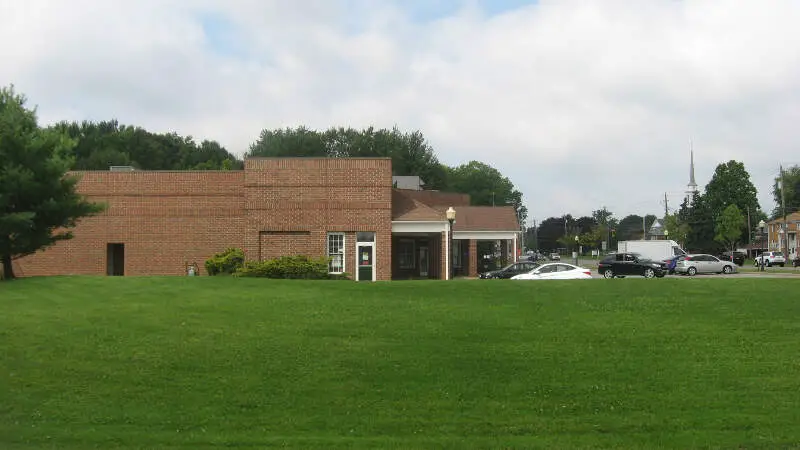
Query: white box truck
column 655, row 250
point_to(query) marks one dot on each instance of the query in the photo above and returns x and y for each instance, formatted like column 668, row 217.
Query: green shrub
column 227, row 262
column 289, row 267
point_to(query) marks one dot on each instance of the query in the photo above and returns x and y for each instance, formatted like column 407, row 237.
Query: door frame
column 371, row 245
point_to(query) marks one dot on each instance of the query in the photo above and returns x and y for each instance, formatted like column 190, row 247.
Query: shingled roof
column 407, row 208
column 431, row 206
column 486, row 218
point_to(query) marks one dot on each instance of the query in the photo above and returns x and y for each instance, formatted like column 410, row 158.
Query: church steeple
column 692, row 186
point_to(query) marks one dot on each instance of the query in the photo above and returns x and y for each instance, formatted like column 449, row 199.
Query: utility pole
column 785, row 222
column 666, row 207
column 644, row 228
column 749, row 230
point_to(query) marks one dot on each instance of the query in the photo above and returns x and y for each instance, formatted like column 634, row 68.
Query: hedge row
column 225, row 263
column 231, row 262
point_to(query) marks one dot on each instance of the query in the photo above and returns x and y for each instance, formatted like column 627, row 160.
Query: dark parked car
column 738, row 257
column 510, row 270
column 630, row 264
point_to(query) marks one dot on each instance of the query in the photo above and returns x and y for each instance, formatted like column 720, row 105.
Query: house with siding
column 347, row 209
column 782, row 234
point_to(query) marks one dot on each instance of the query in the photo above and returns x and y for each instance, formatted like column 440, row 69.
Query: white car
column 770, row 259
column 555, row 271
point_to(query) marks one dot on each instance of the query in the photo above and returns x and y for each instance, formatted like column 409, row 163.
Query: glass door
column 365, row 256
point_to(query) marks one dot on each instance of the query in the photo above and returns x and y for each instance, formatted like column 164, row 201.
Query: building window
column 405, row 254
column 365, row 236
column 336, row 252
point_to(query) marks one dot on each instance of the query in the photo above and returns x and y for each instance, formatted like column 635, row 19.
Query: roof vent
column 122, row 168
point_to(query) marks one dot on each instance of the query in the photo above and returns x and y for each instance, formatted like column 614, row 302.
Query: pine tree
column 38, row 201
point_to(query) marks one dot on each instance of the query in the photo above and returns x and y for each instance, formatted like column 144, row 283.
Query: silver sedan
column 702, row 263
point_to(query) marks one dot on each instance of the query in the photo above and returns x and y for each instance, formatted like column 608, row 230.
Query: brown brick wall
column 275, row 207
column 318, row 196
column 274, row 244
column 473, row 258
column 165, row 219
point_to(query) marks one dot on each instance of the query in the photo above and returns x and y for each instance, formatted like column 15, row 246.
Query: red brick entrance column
column 443, row 275
column 472, row 264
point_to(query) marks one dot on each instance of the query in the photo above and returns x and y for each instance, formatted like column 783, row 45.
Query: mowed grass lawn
column 245, row 363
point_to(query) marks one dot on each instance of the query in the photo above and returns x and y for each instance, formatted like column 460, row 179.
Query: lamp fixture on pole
column 451, row 218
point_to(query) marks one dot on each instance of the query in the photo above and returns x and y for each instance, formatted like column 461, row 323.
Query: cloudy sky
column 581, row 103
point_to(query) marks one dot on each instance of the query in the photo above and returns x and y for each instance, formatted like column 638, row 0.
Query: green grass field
column 205, row 362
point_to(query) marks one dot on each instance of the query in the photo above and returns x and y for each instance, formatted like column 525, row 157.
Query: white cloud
column 582, row 104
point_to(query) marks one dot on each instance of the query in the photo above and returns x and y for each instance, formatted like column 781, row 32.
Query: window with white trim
column 336, row 252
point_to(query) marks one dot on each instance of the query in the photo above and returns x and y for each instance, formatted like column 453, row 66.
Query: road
column 742, row 272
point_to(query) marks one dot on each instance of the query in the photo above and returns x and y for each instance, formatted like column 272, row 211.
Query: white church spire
column 692, row 186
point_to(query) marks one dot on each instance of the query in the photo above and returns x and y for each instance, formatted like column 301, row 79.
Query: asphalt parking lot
column 741, row 272
column 733, row 275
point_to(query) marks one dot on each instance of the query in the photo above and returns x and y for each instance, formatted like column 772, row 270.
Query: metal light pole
column 451, row 217
column 576, row 250
column 666, row 234
column 761, row 226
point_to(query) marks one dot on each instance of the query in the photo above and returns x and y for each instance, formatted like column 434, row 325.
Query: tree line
column 721, row 217
column 99, row 145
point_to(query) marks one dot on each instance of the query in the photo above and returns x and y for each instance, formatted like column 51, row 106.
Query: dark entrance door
column 115, row 259
column 365, row 262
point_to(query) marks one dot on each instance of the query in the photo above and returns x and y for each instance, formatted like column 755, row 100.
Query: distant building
column 408, row 182
column 778, row 241
column 656, row 231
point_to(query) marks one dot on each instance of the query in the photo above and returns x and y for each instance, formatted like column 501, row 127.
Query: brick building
column 782, row 234
column 158, row 222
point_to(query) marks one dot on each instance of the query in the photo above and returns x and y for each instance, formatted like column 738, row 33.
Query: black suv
column 626, row 264
column 510, row 270
column 738, row 257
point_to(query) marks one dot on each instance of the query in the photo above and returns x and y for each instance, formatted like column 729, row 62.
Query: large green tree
column 606, row 228
column 633, row 226
column 486, row 186
column 551, row 230
column 38, row 201
column 791, row 176
column 678, row 229
column 729, row 226
column 700, row 222
column 410, row 152
column 731, row 185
